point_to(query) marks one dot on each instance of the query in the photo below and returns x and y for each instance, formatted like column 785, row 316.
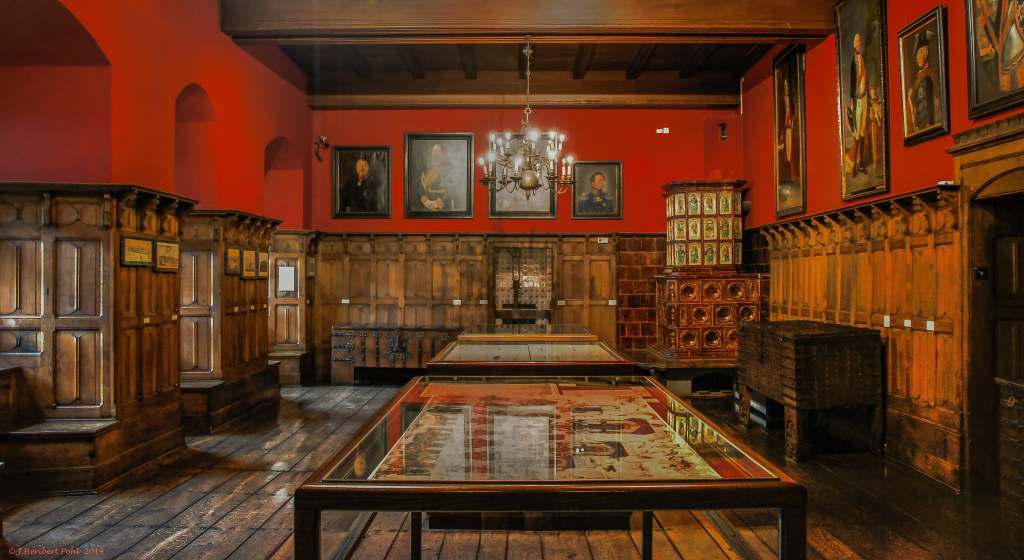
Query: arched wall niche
column 55, row 105
column 194, row 159
column 283, row 180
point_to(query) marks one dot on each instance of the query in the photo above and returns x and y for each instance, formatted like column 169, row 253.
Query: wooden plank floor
column 229, row 496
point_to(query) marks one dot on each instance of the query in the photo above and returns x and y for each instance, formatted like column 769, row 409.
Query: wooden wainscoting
column 895, row 266
column 291, row 327
column 446, row 280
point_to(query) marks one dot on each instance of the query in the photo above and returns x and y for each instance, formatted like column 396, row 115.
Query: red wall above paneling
column 910, row 168
column 649, row 160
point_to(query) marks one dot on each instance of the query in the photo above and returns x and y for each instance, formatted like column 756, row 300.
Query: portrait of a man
column 438, row 175
column 597, row 190
column 790, row 150
column 863, row 115
column 923, row 74
column 362, row 182
column 995, row 58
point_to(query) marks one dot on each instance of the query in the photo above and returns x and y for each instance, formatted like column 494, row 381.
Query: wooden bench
column 208, row 405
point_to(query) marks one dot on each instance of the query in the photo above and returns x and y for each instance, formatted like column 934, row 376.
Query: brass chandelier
column 527, row 160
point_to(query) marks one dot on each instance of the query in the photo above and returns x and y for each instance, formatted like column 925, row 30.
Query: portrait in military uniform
column 597, row 189
column 439, row 175
column 923, row 73
column 362, row 181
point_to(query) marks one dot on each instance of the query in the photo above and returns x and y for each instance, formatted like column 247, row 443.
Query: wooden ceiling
column 417, row 53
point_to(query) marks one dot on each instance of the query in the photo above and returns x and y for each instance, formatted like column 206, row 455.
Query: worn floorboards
column 229, row 495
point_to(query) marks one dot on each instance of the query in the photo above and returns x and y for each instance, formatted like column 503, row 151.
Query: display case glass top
column 527, row 333
column 518, row 429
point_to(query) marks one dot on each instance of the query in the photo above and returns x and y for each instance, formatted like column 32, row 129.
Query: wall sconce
column 723, row 131
column 320, row 142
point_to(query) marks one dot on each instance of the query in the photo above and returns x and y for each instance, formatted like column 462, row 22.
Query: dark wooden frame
column 336, row 183
column 939, row 15
column 227, row 261
column 883, row 84
column 796, row 51
column 263, row 258
column 470, row 179
column 315, row 495
column 622, row 191
column 152, row 252
column 621, row 366
column 255, row 262
column 976, row 109
column 156, row 257
column 527, row 214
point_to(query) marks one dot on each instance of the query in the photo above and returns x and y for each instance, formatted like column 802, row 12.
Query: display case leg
column 415, row 535
column 647, row 538
column 793, row 533
column 307, row 534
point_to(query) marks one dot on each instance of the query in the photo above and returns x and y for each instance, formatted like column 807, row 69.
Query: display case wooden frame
column 97, row 341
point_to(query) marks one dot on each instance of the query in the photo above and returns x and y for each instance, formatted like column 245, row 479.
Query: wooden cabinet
column 225, row 268
column 292, row 308
column 93, row 326
column 368, row 346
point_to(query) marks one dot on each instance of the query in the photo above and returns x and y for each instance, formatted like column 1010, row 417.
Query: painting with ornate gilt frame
column 925, row 94
column 995, row 57
column 790, row 132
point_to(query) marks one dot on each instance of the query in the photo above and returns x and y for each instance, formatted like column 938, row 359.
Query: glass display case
column 520, row 444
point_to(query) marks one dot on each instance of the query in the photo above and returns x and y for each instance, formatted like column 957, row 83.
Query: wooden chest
column 1011, row 463
column 806, row 366
column 373, row 346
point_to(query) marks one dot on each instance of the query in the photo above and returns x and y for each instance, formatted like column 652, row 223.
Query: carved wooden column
column 291, row 318
column 225, row 265
column 89, row 313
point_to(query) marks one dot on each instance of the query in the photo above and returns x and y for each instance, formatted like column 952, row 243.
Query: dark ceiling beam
column 639, row 62
column 356, row 61
column 411, row 61
column 482, row 18
column 467, row 56
column 695, row 59
column 626, row 39
column 753, row 54
column 584, row 54
column 338, row 101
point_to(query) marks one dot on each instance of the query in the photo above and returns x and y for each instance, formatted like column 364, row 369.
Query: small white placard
column 174, row 317
column 235, row 309
column 560, row 302
column 602, row 240
column 483, row 302
column 345, row 300
column 907, row 323
column 929, row 326
column 145, row 320
column 252, row 308
column 886, row 321
column 613, row 302
column 286, row 278
column 456, row 302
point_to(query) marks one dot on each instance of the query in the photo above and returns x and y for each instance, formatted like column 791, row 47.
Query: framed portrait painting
column 362, row 181
column 923, row 78
column 439, row 175
column 505, row 204
column 790, row 133
column 863, row 113
column 597, row 189
column 995, row 56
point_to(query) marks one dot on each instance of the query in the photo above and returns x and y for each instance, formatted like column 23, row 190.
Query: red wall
column 910, row 168
column 156, row 48
column 649, row 160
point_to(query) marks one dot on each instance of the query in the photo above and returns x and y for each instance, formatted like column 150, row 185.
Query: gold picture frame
column 136, row 252
column 232, row 261
column 168, row 257
column 248, row 263
column 263, row 268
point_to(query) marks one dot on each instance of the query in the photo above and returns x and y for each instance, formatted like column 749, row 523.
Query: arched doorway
column 194, row 164
column 55, row 103
column 282, row 181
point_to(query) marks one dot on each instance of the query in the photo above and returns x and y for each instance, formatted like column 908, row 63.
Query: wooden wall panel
column 894, row 266
column 442, row 280
column 292, row 313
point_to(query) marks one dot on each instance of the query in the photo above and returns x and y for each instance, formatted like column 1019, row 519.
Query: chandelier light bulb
column 533, row 135
column 491, row 156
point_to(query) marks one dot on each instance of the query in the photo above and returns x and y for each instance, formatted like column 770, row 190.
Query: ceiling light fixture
column 526, row 160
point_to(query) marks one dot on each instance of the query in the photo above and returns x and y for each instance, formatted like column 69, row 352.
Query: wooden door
column 1008, row 320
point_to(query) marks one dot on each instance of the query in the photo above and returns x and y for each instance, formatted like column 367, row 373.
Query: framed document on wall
column 248, row 264
column 168, row 256
column 232, row 261
column 136, row 252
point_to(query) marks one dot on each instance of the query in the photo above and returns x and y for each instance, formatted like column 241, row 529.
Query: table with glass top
column 530, row 350
column 521, row 444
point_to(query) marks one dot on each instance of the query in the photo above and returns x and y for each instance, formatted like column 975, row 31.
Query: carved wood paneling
column 290, row 318
column 894, row 266
column 224, row 316
column 445, row 280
